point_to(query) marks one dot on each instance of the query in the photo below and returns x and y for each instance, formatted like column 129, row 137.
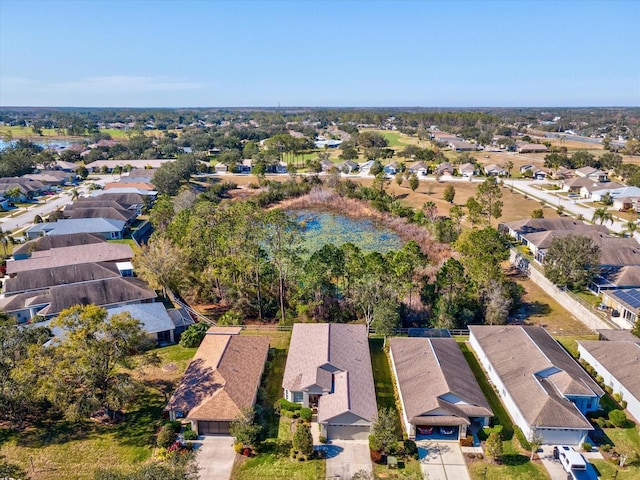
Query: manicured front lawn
column 516, row 466
column 624, row 440
column 269, row 466
column 407, row 469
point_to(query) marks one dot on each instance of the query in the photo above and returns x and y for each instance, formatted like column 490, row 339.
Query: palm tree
column 5, row 238
column 74, row 194
column 603, row 215
column 508, row 166
column 631, row 227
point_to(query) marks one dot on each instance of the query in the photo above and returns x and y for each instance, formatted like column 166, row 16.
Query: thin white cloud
column 92, row 90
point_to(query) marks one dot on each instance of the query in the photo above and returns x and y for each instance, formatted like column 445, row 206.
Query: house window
column 297, row 397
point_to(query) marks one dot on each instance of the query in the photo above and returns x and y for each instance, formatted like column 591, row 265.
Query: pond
column 321, row 227
column 43, row 142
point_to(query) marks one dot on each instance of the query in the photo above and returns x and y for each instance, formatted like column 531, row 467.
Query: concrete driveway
column 442, row 460
column 346, row 457
column 215, row 457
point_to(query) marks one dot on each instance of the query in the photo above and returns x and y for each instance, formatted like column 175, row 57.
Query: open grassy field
column 64, row 450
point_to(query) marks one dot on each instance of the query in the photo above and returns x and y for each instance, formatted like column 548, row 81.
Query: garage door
column 424, row 432
column 213, row 428
column 553, row 436
column 348, row 432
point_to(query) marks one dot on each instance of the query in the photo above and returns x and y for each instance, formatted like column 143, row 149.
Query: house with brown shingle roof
column 222, row 379
column 329, row 368
column 618, row 363
column 439, row 394
column 542, row 387
column 20, row 252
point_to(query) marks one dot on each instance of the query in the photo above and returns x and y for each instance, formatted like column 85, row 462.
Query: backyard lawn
column 623, row 440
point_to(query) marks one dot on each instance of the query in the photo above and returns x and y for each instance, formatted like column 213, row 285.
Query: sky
column 342, row 53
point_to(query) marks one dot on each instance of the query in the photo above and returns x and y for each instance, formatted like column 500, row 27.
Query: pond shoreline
column 330, row 201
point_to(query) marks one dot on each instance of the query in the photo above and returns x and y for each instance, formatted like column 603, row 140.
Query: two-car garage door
column 213, row 428
column 348, row 432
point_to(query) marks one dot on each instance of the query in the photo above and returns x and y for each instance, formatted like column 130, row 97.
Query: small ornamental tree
column 192, row 337
column 383, row 431
column 166, row 437
column 302, row 440
column 618, row 418
column 493, row 446
column 414, row 182
column 449, row 193
column 243, row 428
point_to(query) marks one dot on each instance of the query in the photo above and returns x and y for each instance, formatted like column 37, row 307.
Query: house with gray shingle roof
column 20, row 252
column 221, row 380
column 108, row 228
column 542, row 387
column 49, row 302
column 329, row 367
column 58, row 257
column 439, row 394
column 618, row 363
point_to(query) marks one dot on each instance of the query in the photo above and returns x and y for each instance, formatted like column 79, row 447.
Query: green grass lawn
column 623, row 440
column 61, row 449
column 385, row 395
column 407, row 469
column 270, row 466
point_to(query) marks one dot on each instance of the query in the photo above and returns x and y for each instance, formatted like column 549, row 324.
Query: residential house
column 108, row 228
column 616, row 193
column 524, row 168
column 391, row 168
column 329, row 367
column 592, row 173
column 20, row 252
column 154, row 318
column 445, row 169
column 419, row 168
column 43, row 278
column 109, row 165
column 626, row 203
column 28, row 188
column 221, row 168
column 439, row 394
column 326, row 165
column 222, row 379
column 545, row 391
column 150, row 195
column 132, row 200
column 52, row 177
column 60, row 256
column 531, row 148
column 623, row 303
column 63, row 166
column 49, row 302
column 365, row 168
column 519, row 228
column 245, row 166
column 462, row 146
column 140, row 185
column 598, row 190
column 574, row 185
column 348, row 166
column 322, row 142
column 618, row 363
column 467, row 170
column 494, row 170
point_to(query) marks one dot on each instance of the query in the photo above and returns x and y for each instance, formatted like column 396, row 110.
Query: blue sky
column 454, row 53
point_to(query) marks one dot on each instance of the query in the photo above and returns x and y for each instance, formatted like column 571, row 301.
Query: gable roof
column 333, row 356
column 530, row 225
column 223, row 377
column 539, row 375
column 58, row 257
column 61, row 275
column 427, row 370
column 58, row 241
column 99, row 212
column 153, row 316
column 78, row 225
column 617, row 335
column 127, row 198
column 104, row 292
column 621, row 359
column 588, row 171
